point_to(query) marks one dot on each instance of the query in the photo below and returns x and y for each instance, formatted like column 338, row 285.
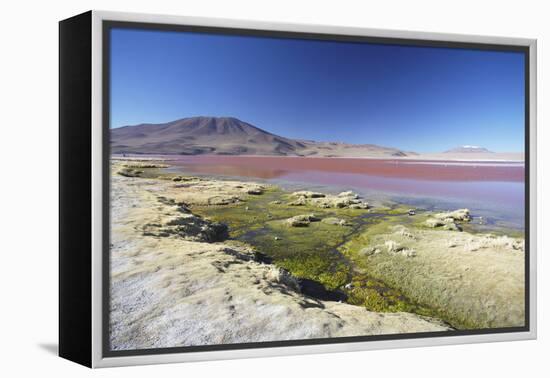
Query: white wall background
column 28, row 148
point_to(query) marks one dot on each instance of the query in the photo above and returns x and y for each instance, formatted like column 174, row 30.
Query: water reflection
column 491, row 189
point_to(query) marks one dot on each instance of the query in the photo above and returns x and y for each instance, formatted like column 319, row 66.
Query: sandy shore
column 176, row 281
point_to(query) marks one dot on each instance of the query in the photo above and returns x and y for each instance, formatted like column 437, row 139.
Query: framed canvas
column 234, row 189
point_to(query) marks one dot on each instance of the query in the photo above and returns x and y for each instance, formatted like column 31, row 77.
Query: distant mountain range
column 468, row 149
column 230, row 136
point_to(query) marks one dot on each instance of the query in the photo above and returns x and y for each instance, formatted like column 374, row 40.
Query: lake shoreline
column 169, row 197
column 494, row 192
column 174, row 284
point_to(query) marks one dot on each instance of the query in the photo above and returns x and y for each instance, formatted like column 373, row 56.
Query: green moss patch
column 318, row 252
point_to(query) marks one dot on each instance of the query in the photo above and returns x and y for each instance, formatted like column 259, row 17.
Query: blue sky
column 413, row 98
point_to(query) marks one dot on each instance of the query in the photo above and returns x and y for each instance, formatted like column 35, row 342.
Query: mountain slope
column 227, row 136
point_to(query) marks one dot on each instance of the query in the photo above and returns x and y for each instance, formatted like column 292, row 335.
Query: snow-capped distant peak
column 468, row 148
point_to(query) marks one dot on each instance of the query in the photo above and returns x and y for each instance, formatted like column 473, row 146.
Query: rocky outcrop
column 369, row 251
column 348, row 194
column 452, row 226
column 300, row 201
column 302, row 220
column 344, row 200
column 449, row 221
column 204, row 192
column 393, row 246
column 308, row 194
column 184, row 178
column 460, row 215
column 489, row 242
column 404, row 232
column 396, row 248
column 130, row 172
column 283, row 277
column 334, row 221
column 255, row 191
column 189, row 227
column 433, row 223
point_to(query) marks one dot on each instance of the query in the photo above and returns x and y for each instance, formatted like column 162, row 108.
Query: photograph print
column 288, row 189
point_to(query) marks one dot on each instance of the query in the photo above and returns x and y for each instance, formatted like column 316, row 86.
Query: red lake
column 494, row 190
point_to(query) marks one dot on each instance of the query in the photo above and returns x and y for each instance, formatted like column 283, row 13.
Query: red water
column 491, row 187
column 273, row 167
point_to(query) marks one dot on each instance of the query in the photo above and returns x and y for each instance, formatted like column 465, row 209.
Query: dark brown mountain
column 227, row 136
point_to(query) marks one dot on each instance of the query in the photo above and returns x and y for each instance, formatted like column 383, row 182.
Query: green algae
column 316, row 252
column 375, row 295
column 331, row 273
column 306, row 252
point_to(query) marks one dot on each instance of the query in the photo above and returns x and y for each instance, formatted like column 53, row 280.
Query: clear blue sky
column 414, row 98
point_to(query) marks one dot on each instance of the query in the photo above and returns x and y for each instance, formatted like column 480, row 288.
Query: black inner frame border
column 108, row 25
